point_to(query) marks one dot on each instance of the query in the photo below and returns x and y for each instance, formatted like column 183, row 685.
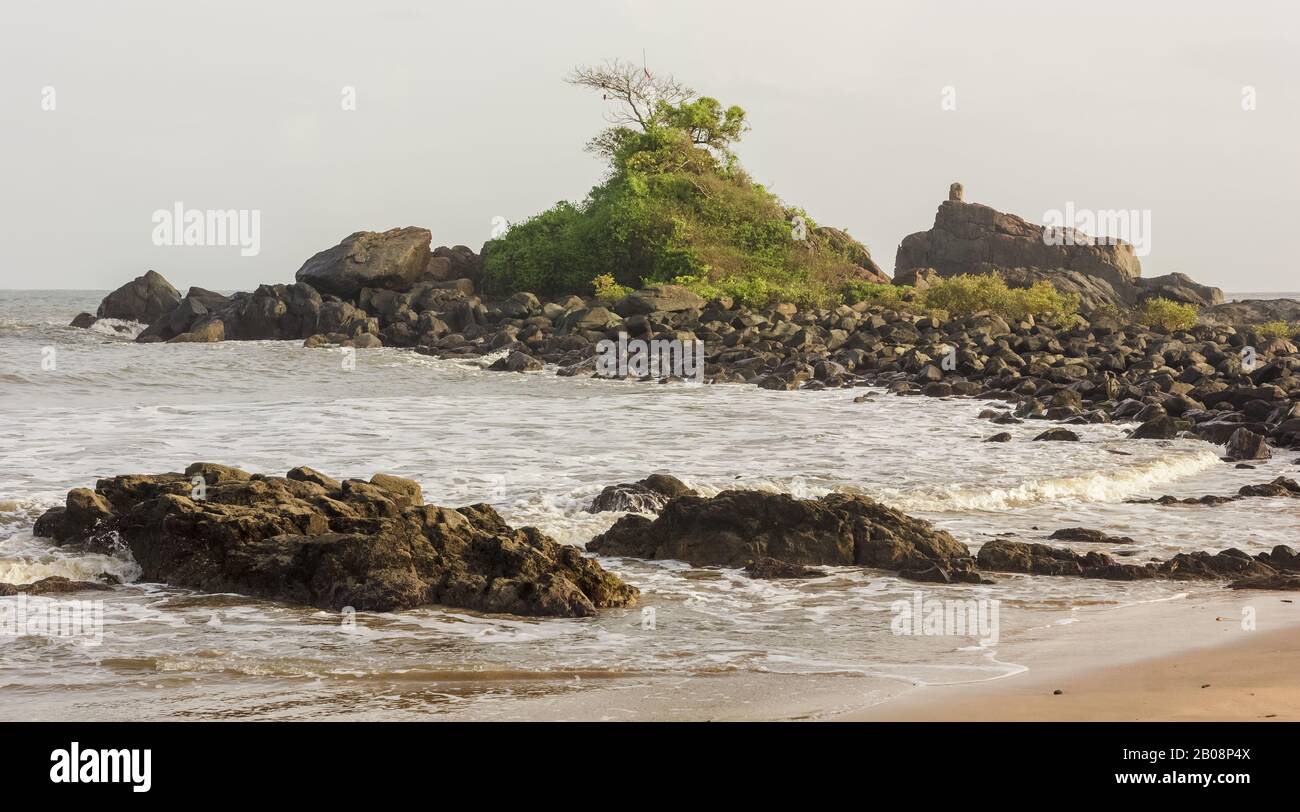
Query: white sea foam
column 1108, row 485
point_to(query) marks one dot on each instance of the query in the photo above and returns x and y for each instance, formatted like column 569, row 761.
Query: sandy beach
column 1219, row 672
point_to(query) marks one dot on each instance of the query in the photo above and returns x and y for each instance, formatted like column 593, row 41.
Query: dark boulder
column 1245, row 444
column 374, row 546
column 1088, row 535
column 738, row 526
column 144, row 299
column 648, row 495
column 1160, row 428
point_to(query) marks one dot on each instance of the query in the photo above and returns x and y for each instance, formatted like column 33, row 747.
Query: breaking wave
column 1110, row 485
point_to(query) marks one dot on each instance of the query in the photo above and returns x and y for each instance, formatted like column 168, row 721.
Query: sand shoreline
column 1160, row 663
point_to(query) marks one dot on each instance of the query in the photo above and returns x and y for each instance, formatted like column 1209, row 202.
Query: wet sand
column 1219, row 671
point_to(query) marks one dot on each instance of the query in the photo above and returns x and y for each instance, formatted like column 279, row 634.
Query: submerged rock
column 770, row 568
column 648, row 495
column 739, row 526
column 53, row 585
column 308, row 539
column 1088, row 535
column 1282, row 486
column 1058, row 435
column 1005, row 555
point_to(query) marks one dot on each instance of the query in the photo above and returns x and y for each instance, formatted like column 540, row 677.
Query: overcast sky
column 462, row 116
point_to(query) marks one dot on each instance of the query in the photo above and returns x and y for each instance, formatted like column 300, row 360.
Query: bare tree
column 634, row 88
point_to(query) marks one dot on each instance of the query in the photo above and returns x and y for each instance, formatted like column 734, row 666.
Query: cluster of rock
column 308, row 539
column 776, row 536
column 1275, row 569
column 343, row 295
column 1282, row 486
column 374, row 545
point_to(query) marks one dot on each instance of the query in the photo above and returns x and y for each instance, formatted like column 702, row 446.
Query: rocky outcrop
column 966, row 236
column 648, row 495
column 391, row 260
column 311, row 540
column 1005, row 555
column 970, row 238
column 1254, row 311
column 739, row 526
column 144, row 299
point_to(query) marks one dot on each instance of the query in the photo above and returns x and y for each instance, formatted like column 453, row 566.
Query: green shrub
column 972, row 293
column 858, row 290
column 1166, row 315
column 1277, row 329
column 607, row 290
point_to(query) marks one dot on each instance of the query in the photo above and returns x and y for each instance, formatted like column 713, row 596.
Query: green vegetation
column 858, row 290
column 607, row 290
column 972, row 293
column 1166, row 315
column 966, row 294
column 675, row 207
column 1277, row 329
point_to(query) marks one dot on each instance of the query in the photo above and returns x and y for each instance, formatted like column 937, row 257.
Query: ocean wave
column 1108, row 485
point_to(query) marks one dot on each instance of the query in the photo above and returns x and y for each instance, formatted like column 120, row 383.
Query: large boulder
column 144, row 299
column 1178, row 287
column 455, row 262
column 308, row 539
column 659, row 299
column 736, row 527
column 966, row 235
column 395, row 259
